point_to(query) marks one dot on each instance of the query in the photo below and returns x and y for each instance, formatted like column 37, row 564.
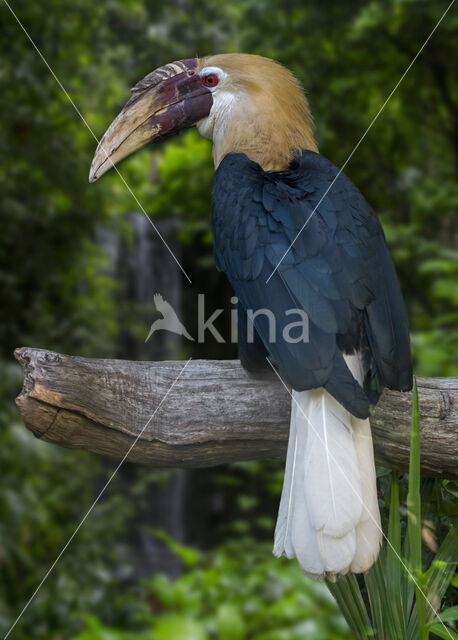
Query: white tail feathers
column 328, row 517
column 369, row 528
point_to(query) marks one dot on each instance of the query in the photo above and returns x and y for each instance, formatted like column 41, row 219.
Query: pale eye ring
column 210, row 80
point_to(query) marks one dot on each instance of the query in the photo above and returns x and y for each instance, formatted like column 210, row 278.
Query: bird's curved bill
column 165, row 101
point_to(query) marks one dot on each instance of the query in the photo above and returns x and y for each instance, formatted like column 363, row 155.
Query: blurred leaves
column 58, row 288
column 242, row 591
column 187, row 555
column 239, row 591
column 348, row 56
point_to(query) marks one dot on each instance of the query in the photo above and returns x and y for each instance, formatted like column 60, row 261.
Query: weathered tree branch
column 215, row 413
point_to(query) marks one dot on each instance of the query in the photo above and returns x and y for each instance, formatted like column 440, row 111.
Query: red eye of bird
column 210, row 80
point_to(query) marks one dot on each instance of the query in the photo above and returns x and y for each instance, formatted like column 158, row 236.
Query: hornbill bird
column 286, row 240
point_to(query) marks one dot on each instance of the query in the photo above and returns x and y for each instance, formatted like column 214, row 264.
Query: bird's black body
column 338, row 271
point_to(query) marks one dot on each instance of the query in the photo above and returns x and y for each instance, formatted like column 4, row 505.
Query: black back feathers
column 338, row 271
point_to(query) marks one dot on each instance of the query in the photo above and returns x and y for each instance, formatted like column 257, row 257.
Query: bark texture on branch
column 215, row 413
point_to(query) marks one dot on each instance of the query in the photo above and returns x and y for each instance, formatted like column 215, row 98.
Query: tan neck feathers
column 266, row 115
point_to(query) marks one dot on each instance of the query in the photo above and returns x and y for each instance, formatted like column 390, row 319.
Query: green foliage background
column 56, row 290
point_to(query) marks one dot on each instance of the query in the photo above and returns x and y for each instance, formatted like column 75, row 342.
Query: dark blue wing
column 338, row 271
